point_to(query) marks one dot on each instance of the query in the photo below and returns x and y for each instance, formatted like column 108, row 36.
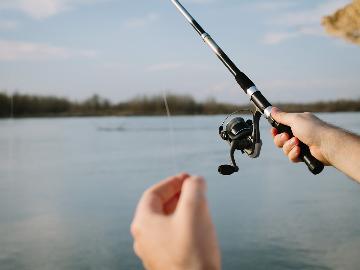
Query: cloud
column 310, row 16
column 300, row 23
column 41, row 9
column 278, row 37
column 272, row 38
column 164, row 67
column 6, row 25
column 199, row 1
column 274, row 6
column 28, row 51
column 140, row 22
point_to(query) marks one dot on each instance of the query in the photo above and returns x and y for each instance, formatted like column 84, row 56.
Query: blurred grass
column 20, row 105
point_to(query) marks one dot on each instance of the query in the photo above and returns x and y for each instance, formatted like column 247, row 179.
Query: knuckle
column 284, row 137
column 287, row 147
column 294, row 154
column 136, row 249
column 294, row 158
column 135, row 230
column 277, row 141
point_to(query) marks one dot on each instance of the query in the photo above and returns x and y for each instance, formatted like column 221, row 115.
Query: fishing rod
column 245, row 135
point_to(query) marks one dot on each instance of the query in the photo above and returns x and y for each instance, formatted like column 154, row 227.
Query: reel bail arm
column 257, row 144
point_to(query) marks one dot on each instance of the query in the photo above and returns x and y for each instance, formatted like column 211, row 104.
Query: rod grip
column 315, row 166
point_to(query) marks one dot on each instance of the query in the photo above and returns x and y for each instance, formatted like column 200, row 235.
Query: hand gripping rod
column 261, row 103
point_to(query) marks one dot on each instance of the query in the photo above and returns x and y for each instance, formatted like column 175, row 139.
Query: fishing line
column 11, row 138
column 171, row 133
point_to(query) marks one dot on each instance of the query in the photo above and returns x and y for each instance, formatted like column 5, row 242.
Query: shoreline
column 34, row 106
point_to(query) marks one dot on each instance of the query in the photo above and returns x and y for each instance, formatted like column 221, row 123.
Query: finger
column 282, row 117
column 157, row 196
column 169, row 187
column 192, row 197
column 290, row 144
column 274, row 132
column 281, row 139
column 134, row 230
column 294, row 154
column 136, row 249
column 170, row 206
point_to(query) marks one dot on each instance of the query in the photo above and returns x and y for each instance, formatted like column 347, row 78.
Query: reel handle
column 315, row 166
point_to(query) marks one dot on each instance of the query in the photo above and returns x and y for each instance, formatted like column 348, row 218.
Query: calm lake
column 69, row 187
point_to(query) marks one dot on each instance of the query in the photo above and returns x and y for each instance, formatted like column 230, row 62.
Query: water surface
column 68, row 189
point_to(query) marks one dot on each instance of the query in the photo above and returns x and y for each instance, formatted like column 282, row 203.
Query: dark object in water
column 111, row 129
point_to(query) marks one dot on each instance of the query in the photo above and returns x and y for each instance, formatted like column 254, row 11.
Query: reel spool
column 243, row 136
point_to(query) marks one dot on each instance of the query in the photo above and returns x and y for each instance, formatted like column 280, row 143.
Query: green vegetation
column 19, row 105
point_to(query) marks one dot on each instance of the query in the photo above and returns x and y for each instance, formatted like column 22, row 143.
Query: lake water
column 68, row 189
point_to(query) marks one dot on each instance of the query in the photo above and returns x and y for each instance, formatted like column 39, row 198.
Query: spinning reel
column 243, row 136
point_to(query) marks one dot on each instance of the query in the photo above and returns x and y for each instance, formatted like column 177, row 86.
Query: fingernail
column 292, row 141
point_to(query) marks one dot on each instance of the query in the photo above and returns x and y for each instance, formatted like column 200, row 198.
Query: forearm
column 342, row 150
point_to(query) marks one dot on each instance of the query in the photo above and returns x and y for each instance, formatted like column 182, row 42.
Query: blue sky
column 120, row 49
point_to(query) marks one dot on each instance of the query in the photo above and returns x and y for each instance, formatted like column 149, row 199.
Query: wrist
column 330, row 137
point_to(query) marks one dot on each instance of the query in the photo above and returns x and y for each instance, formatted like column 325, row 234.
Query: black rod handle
column 314, row 165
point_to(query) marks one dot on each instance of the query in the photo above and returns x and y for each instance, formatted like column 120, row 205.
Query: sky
column 121, row 49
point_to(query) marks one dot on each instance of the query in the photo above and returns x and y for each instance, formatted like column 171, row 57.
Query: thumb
column 193, row 198
column 282, row 117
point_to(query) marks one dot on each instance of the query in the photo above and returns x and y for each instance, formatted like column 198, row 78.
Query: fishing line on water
column 171, row 133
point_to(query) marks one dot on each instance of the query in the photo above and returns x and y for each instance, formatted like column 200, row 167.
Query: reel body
column 243, row 136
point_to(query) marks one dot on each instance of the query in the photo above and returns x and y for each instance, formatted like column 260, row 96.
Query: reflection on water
column 68, row 191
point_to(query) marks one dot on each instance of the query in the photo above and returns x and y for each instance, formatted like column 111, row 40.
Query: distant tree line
column 20, row 105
